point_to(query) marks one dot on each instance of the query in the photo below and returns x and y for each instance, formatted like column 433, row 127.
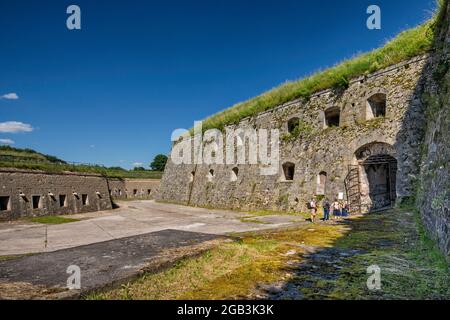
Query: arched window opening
column 234, row 174
column 191, row 176
column 321, row 183
column 293, row 124
column 210, row 175
column 376, row 106
column 333, row 117
column 288, row 171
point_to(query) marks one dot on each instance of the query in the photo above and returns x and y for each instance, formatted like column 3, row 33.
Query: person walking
column 326, row 210
column 313, row 206
column 336, row 209
column 345, row 209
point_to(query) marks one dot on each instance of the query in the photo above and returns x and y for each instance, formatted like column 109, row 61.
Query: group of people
column 337, row 208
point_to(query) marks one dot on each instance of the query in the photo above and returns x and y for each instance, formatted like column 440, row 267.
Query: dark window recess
column 234, row 174
column 4, row 203
column 36, row 202
column 84, row 199
column 134, row 192
column 377, row 104
column 62, row 200
column 333, row 117
column 149, row 191
column 288, row 170
column 293, row 124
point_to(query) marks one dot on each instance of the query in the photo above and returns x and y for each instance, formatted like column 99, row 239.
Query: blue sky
column 113, row 92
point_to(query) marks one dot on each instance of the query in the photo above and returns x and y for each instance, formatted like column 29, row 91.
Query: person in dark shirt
column 326, row 210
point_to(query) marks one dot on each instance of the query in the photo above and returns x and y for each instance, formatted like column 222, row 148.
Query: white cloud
column 15, row 127
column 6, row 141
column 137, row 164
column 10, row 96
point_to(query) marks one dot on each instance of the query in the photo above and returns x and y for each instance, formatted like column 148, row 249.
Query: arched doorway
column 381, row 172
column 378, row 170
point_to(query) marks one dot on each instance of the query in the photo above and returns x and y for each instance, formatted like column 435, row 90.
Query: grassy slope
column 406, row 45
column 411, row 266
column 30, row 159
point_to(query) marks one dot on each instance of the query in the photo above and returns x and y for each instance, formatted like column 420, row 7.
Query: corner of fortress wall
column 327, row 151
column 29, row 193
column 433, row 196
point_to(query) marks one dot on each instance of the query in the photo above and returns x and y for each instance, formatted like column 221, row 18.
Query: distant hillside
column 15, row 154
column 31, row 159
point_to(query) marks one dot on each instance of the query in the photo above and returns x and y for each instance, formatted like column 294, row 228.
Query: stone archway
column 378, row 176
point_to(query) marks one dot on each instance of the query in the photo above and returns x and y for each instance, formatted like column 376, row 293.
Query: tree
column 159, row 162
column 138, row 169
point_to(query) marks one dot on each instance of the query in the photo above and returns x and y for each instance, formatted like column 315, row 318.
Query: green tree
column 159, row 162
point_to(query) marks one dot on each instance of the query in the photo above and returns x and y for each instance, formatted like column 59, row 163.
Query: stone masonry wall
column 319, row 149
column 26, row 193
column 133, row 188
column 434, row 187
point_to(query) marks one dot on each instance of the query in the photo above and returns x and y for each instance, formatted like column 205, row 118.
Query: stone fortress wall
column 25, row 193
column 36, row 193
column 133, row 188
column 365, row 136
column 434, row 183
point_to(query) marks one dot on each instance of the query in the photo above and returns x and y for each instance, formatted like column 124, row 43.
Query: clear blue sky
column 113, row 92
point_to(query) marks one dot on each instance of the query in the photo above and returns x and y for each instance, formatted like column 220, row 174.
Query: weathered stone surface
column 434, row 191
column 133, row 188
column 330, row 150
column 83, row 193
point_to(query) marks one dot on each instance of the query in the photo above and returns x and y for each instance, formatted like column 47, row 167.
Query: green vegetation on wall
column 32, row 160
column 406, row 45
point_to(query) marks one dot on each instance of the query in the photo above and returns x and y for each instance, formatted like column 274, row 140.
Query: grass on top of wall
column 29, row 159
column 81, row 168
column 406, row 45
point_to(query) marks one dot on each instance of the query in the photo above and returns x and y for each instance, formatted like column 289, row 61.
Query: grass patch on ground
column 52, row 220
column 411, row 266
column 406, row 45
column 13, row 257
column 229, row 271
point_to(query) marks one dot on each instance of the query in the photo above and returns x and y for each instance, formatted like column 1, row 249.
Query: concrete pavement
column 131, row 219
column 100, row 265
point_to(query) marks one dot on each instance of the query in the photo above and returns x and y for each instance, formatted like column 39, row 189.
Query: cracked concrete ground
column 131, row 219
column 45, row 275
column 113, row 247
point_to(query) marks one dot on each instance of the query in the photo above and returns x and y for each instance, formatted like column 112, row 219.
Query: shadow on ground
column 411, row 268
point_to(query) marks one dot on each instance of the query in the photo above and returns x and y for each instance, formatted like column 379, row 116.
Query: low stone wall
column 133, row 188
column 28, row 193
column 25, row 193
